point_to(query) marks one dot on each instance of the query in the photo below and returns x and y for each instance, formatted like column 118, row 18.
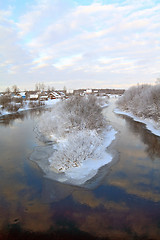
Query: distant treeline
column 101, row 91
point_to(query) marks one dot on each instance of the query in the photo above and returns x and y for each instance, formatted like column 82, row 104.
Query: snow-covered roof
column 70, row 90
column 22, row 94
column 16, row 96
column 62, row 93
column 43, row 96
column 34, row 96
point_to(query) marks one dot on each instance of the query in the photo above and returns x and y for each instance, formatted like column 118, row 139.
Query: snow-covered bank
column 75, row 175
column 142, row 103
column 151, row 125
column 47, row 103
column 89, row 168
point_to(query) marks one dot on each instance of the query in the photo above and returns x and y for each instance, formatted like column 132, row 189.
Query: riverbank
column 26, row 107
column 151, row 125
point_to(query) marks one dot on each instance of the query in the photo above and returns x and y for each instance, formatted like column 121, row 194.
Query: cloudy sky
column 79, row 43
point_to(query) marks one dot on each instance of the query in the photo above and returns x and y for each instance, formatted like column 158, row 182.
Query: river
column 122, row 202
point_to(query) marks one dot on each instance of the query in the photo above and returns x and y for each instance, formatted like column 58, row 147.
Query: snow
column 113, row 95
column 26, row 107
column 79, row 135
column 74, row 175
column 4, row 112
column 151, row 125
column 89, row 168
column 51, row 102
column 33, row 96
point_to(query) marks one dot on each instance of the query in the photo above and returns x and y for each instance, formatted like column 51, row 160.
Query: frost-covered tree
column 77, row 148
column 76, row 124
column 142, row 100
column 76, row 113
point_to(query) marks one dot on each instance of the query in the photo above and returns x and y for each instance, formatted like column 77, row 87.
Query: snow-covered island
column 79, row 135
column 142, row 103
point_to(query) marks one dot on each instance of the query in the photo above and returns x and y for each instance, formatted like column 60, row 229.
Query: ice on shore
column 151, row 125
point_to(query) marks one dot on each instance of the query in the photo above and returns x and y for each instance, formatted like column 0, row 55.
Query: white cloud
column 67, row 61
column 72, row 42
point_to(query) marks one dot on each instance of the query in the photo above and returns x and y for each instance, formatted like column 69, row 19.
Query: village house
column 43, row 98
column 54, row 95
column 33, row 97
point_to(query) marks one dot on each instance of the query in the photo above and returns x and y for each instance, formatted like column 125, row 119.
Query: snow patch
column 89, row 168
column 47, row 103
column 151, row 125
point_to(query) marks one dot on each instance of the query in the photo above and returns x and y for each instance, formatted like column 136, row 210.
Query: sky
column 79, row 43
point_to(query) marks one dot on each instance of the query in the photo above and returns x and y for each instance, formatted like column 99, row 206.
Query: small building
column 70, row 91
column 22, row 94
column 33, row 97
column 51, row 96
column 43, row 98
column 62, row 94
column 54, row 95
column 88, row 91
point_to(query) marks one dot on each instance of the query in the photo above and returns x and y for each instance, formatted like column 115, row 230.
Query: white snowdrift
column 151, row 125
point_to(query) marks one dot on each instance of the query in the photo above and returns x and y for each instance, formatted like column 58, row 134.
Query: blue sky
column 79, row 43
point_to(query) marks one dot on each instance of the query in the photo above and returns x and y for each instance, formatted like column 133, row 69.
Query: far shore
column 151, row 125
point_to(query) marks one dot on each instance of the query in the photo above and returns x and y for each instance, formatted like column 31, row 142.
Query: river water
column 123, row 202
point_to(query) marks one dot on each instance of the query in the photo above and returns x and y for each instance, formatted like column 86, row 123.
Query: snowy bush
column 5, row 101
column 75, row 149
column 76, row 113
column 13, row 107
column 76, row 125
column 35, row 104
column 142, row 100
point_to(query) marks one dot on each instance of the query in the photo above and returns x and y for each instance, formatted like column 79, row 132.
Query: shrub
column 76, row 113
column 17, row 100
column 76, row 149
column 76, row 124
column 34, row 104
column 142, row 100
column 4, row 101
column 13, row 107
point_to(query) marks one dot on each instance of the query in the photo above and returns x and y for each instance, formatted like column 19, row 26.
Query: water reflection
column 136, row 172
column 152, row 142
column 123, row 204
column 10, row 118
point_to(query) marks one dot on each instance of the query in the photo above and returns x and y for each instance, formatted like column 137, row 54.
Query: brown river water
column 121, row 202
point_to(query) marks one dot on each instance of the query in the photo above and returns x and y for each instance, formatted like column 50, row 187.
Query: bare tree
column 36, row 87
column 8, row 91
column 157, row 81
column 15, row 89
column 65, row 89
column 52, row 89
column 43, row 87
column 40, row 87
column 49, row 89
